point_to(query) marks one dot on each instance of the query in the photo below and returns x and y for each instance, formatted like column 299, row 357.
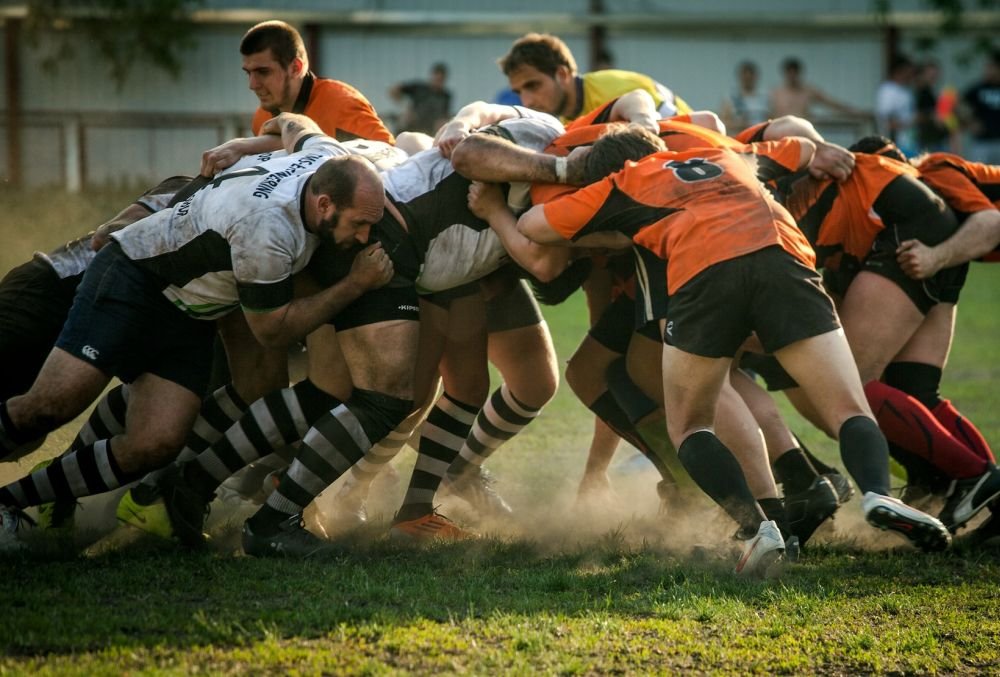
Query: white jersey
column 454, row 245
column 237, row 241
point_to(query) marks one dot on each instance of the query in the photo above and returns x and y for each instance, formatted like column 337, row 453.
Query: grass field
column 615, row 590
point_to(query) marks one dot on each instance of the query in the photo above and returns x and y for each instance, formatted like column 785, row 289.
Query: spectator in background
column 603, row 60
column 895, row 106
column 746, row 106
column 981, row 113
column 795, row 97
column 931, row 132
column 428, row 103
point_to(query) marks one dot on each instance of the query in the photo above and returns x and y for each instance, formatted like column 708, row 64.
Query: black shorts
column 912, row 211
column 379, row 305
column 650, row 287
column 443, row 299
column 123, row 324
column 614, row 327
column 768, row 291
column 512, row 309
column 34, row 303
column 943, row 287
column 768, row 368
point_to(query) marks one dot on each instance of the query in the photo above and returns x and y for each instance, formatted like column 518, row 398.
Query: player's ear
column 298, row 67
column 563, row 74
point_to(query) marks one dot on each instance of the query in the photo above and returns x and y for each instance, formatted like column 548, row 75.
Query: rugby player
column 668, row 203
column 234, row 243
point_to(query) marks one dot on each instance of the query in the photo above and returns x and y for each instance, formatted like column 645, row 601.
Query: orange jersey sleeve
column 967, row 187
column 754, row 133
column 340, row 110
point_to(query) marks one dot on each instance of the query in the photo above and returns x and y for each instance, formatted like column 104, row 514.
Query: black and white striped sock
column 272, row 422
column 503, row 417
column 87, row 471
column 106, row 420
column 219, row 412
column 332, row 446
column 441, row 438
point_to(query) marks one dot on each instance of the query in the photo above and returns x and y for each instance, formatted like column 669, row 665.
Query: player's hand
column 917, row 259
column 99, row 238
column 450, row 136
column 485, row 199
column 831, row 162
column 214, row 160
column 372, row 267
column 648, row 121
column 576, row 166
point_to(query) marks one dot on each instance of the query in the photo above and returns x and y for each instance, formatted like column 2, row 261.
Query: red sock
column 908, row 423
column 963, row 429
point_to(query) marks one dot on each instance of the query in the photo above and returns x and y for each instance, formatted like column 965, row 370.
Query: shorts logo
column 90, row 352
column 670, row 328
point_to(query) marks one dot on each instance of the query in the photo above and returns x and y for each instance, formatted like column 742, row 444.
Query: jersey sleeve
column 161, row 195
column 776, row 159
column 344, row 113
column 262, row 264
column 753, row 134
column 259, row 118
column 573, row 215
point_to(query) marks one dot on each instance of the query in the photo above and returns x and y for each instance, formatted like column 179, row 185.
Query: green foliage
column 124, row 31
column 952, row 21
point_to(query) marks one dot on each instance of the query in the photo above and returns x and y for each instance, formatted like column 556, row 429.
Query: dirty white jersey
column 238, row 240
column 454, row 246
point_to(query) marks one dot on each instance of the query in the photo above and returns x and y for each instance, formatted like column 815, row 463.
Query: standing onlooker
column 429, row 102
column 895, row 106
column 931, row 131
column 746, row 106
column 795, row 97
column 981, row 104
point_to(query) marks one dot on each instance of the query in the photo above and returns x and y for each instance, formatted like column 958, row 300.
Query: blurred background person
column 795, row 97
column 895, row 105
column 428, row 103
column 981, row 113
column 746, row 105
column 932, row 133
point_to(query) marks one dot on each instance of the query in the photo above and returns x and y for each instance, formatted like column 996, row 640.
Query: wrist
column 561, row 169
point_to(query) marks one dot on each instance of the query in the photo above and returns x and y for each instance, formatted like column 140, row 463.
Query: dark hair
column 877, row 145
column 540, row 50
column 440, row 67
column 899, row 62
column 339, row 177
column 283, row 41
column 747, row 66
column 619, row 144
column 791, row 63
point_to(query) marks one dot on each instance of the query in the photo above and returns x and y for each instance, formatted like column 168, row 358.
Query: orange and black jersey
column 677, row 132
column 967, row 187
column 694, row 209
column 339, row 109
column 839, row 217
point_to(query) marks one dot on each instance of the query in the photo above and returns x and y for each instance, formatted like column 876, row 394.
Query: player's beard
column 326, row 228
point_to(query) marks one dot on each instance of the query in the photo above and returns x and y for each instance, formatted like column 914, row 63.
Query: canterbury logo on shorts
column 90, row 352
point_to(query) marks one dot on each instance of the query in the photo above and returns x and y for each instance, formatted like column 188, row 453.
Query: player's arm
column 293, row 129
column 979, row 235
column 493, row 159
column 544, row 262
column 822, row 97
column 224, row 156
column 293, row 320
column 468, row 119
column 638, row 107
column 125, row 217
column 830, row 161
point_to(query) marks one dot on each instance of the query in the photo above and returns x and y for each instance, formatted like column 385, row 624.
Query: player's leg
column 453, row 337
column 520, row 346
